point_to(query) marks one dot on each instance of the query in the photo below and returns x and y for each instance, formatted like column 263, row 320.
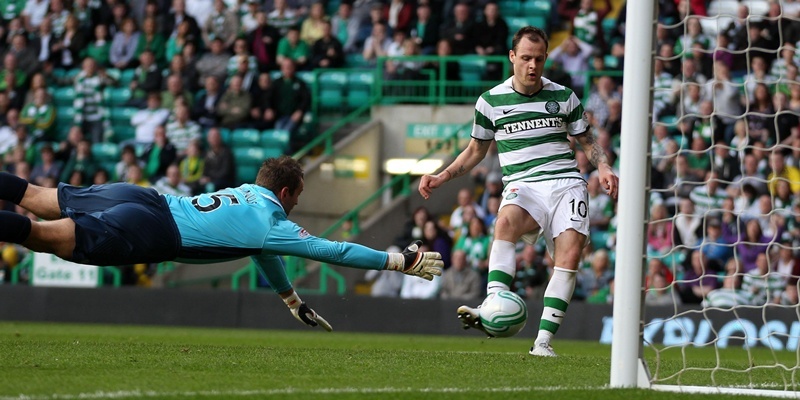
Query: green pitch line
column 67, row 361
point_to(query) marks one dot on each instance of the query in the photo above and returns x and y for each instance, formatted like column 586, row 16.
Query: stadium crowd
column 149, row 92
column 724, row 225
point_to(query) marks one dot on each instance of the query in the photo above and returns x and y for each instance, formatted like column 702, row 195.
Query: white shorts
column 556, row 205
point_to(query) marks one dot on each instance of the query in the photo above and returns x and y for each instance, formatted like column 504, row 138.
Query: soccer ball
column 503, row 314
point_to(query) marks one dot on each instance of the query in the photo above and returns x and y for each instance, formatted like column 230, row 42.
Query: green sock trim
column 500, row 276
column 553, row 302
column 549, row 326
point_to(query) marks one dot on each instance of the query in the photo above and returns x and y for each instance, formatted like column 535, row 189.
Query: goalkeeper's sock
column 12, row 187
column 14, row 228
column 502, row 266
column 556, row 300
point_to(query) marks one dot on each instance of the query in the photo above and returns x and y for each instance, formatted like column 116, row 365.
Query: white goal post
column 631, row 345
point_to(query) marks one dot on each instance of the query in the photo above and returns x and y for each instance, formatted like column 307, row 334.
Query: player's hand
column 304, row 313
column 413, row 262
column 429, row 182
column 608, row 180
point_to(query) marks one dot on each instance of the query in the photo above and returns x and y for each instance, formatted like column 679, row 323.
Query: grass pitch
column 68, row 361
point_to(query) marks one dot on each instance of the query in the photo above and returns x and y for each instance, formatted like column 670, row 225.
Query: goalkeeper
column 125, row 224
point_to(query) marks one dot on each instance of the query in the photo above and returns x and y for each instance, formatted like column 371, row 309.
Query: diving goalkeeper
column 120, row 223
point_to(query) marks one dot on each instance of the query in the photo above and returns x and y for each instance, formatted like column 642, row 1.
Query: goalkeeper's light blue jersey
column 250, row 221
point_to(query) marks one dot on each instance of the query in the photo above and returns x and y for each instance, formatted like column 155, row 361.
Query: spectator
column 39, row 116
column 146, row 79
column 34, row 13
column 182, row 132
column 178, row 39
column 403, row 70
column 175, row 93
column 123, row 47
column 751, row 243
column 44, row 41
column 460, row 30
column 708, row 197
column 82, row 162
column 249, row 76
column 452, row 70
column 758, row 75
column 249, row 19
column 234, row 107
column 599, row 98
column 155, row 9
column 215, row 62
column 100, row 48
column 192, row 167
column 786, row 266
column 206, row 107
column 398, row 15
column 377, row 44
column 659, row 231
column 25, row 55
column 656, row 266
column 725, row 163
column 148, row 119
column 597, row 276
column 749, row 176
column 475, row 242
column 698, row 279
column 263, row 43
column 660, row 293
column 12, row 80
column 311, row 29
column 327, row 52
column 49, row 168
column 345, row 27
column 725, row 96
column 69, row 146
column 172, row 183
column 150, row 39
column 127, row 158
column 687, row 225
column 465, row 199
column 159, row 155
column 761, row 116
column 414, row 228
column 220, row 167
column 785, row 122
column 282, row 17
column 240, row 53
column 492, row 40
column 493, row 187
column 259, row 93
column 221, row 24
column 714, row 245
column 780, row 66
column 67, row 50
column 694, row 35
column 420, row 288
column 573, row 55
column 177, row 15
column 781, row 171
column 90, row 112
column 586, row 25
column 423, row 30
column 187, row 72
column 292, row 48
column 761, row 285
column 460, row 282
column 289, row 100
column 385, row 283
column 437, row 239
column 118, row 12
column 729, row 295
column 136, row 177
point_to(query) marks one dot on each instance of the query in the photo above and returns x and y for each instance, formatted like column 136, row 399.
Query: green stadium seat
column 246, row 137
column 514, row 23
column 123, row 133
column 114, row 73
column 71, row 74
column 63, row 96
column 608, row 26
column 62, row 131
column 509, row 7
column 275, row 139
column 126, row 77
column 539, row 21
column 536, row 8
column 122, row 115
column 359, row 84
column 331, row 88
column 611, row 61
column 226, row 135
column 355, row 60
column 246, row 173
column 306, row 76
column 65, row 115
column 109, row 167
column 105, row 152
column 116, row 97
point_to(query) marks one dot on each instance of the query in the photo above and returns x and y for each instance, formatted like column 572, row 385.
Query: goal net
column 721, row 227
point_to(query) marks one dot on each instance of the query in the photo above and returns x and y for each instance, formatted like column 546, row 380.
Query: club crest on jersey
column 552, row 107
column 511, row 196
column 303, row 233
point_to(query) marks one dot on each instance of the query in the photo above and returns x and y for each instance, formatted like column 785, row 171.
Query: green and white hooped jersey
column 531, row 131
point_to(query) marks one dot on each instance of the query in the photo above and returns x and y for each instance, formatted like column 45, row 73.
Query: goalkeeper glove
column 304, row 313
column 412, row 262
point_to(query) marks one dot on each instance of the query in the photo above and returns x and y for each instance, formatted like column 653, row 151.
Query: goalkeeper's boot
column 542, row 349
column 471, row 318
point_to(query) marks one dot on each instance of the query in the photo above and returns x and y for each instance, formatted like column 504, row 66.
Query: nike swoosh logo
column 558, row 316
column 508, row 111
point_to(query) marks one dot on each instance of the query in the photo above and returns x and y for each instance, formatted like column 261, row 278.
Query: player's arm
column 597, row 156
column 468, row 159
column 272, row 269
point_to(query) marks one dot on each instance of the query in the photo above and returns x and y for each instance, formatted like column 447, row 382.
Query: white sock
column 556, row 300
column 502, row 266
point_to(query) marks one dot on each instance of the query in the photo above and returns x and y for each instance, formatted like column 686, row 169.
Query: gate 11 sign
column 49, row 270
column 421, row 138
